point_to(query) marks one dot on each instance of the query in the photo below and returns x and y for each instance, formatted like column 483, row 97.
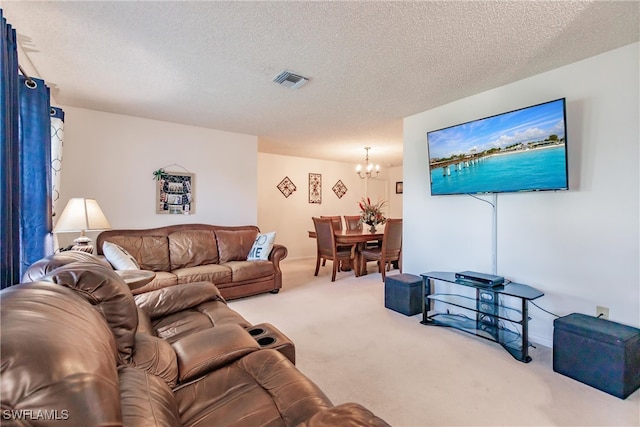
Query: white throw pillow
column 262, row 247
column 118, row 257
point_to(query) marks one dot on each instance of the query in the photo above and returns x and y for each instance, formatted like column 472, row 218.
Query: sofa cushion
column 273, row 392
column 108, row 294
column 163, row 279
column 262, row 247
column 146, row 400
column 119, row 258
column 213, row 273
column 234, row 245
column 192, row 247
column 151, row 252
column 204, row 316
column 249, row 270
column 57, row 354
column 204, row 351
column 162, row 302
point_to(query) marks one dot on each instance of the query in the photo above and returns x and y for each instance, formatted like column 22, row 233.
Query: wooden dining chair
column 388, row 252
column 336, row 221
column 353, row 222
column 327, row 248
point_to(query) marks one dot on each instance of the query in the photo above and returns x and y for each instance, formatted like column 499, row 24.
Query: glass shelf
column 472, row 304
column 489, row 318
column 509, row 339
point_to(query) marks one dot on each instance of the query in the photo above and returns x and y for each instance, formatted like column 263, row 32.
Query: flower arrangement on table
column 371, row 213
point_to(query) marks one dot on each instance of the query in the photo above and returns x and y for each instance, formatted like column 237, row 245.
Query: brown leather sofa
column 187, row 253
column 76, row 350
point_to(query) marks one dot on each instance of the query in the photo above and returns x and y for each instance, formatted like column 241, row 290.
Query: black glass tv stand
column 484, row 314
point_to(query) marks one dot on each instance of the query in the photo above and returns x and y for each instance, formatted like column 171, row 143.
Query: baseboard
column 537, row 339
column 288, row 259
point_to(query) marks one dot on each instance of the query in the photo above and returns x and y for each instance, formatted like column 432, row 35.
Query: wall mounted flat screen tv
column 521, row 150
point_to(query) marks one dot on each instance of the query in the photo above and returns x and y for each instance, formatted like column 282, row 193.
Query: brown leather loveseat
column 187, row 253
column 75, row 352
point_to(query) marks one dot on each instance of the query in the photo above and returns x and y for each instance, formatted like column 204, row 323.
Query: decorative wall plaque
column 174, row 193
column 315, row 188
column 340, row 189
column 286, row 187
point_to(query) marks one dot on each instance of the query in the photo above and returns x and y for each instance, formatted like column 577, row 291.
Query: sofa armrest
column 157, row 357
column 208, row 350
column 172, row 299
column 278, row 253
column 347, row 414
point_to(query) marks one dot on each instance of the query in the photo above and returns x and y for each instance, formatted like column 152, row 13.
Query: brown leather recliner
column 73, row 354
column 169, row 313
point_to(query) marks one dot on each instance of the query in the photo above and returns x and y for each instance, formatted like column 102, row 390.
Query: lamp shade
column 81, row 214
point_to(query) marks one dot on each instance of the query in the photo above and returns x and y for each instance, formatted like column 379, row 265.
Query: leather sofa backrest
column 190, row 248
column 234, row 245
column 50, row 263
column 151, row 252
column 108, row 294
column 150, row 247
column 58, row 358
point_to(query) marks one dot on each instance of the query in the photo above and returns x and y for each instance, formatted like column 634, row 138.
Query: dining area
column 349, row 243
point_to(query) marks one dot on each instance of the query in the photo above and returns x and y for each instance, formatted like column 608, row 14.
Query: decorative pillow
column 262, row 247
column 118, row 257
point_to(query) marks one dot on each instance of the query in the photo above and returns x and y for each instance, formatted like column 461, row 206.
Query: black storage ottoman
column 402, row 293
column 597, row 352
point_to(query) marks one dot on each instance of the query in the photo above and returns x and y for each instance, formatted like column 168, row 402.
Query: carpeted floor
column 414, row 375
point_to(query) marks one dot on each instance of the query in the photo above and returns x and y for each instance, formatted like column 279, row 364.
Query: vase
column 372, row 228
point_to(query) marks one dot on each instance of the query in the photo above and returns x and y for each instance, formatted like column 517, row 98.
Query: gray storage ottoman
column 402, row 293
column 597, row 352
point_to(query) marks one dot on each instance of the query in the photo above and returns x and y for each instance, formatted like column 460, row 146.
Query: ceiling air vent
column 290, row 80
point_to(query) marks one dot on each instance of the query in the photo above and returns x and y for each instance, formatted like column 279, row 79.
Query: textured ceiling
column 210, row 64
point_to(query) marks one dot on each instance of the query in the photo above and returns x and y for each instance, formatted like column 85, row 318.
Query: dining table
column 357, row 237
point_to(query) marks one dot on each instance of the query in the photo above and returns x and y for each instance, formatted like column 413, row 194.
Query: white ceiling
column 211, row 63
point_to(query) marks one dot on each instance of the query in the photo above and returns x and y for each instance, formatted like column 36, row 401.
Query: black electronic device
column 482, row 278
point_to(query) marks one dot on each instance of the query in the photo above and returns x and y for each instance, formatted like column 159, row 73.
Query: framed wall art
column 315, row 188
column 286, row 187
column 398, row 187
column 340, row 189
column 174, row 193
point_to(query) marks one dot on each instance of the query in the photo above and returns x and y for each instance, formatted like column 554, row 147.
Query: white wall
column 111, row 158
column 395, row 200
column 580, row 247
column 291, row 217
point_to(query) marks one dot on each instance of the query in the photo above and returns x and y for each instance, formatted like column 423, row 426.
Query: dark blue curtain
column 25, row 151
column 35, row 171
column 9, row 166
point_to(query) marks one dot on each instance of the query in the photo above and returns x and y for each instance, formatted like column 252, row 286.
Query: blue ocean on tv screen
column 521, row 150
column 538, row 169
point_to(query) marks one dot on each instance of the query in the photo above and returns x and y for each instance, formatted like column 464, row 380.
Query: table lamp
column 82, row 215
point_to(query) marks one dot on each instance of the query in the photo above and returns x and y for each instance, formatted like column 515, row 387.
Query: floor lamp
column 82, row 215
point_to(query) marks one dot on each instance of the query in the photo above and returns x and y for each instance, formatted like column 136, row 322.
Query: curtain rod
column 31, row 84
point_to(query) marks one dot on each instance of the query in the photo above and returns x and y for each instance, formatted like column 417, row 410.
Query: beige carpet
column 414, row 375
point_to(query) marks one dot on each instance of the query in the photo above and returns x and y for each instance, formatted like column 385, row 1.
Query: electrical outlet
column 602, row 312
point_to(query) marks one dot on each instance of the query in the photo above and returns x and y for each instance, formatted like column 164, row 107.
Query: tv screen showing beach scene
column 521, row 150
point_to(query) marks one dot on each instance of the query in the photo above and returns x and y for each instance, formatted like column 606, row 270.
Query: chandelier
column 368, row 168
